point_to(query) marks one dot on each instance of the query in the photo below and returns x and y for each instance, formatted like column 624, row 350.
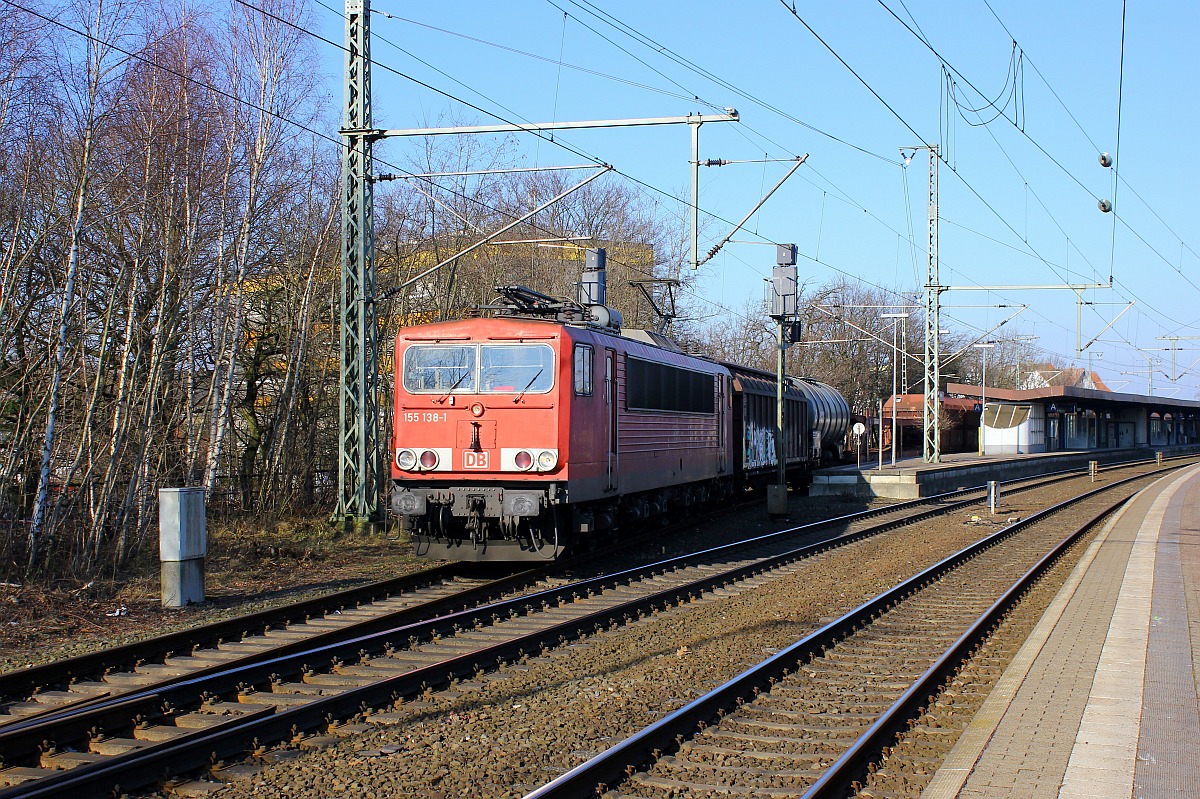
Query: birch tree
column 266, row 67
column 105, row 24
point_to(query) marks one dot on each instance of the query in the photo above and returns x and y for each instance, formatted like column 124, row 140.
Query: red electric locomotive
column 542, row 425
column 545, row 424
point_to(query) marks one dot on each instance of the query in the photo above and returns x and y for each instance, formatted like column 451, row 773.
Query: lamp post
column 895, row 317
column 1091, row 375
column 984, row 346
column 1020, row 340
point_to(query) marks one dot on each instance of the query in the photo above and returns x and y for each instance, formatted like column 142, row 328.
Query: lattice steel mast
column 359, row 469
column 932, row 450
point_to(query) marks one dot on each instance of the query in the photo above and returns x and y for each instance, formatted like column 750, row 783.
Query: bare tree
column 101, row 67
column 263, row 67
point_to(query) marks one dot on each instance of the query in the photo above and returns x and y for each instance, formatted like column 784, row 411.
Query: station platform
column 1101, row 701
column 912, row 478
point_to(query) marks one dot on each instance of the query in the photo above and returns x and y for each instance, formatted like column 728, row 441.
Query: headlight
column 406, row 459
column 547, row 460
column 523, row 460
column 429, row 459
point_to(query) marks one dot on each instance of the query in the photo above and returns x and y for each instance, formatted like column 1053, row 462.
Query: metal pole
column 1079, row 319
column 730, row 115
column 982, row 403
column 783, row 308
column 695, row 252
column 932, row 449
column 895, row 325
column 359, row 474
column 881, row 435
column 779, row 448
column 983, row 347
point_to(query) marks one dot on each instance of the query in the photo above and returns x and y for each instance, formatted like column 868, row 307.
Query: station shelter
column 1053, row 418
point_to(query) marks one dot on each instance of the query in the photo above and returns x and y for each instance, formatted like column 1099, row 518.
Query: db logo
column 475, row 460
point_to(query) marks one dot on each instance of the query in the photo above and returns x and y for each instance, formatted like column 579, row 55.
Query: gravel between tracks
column 512, row 731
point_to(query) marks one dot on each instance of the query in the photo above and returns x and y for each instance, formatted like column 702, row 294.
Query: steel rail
column 18, row 683
column 11, row 737
column 838, row 778
column 148, row 704
column 599, row 774
column 15, row 682
column 23, row 740
column 388, row 621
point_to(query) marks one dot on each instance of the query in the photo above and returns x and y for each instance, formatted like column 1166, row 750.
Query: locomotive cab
column 476, row 455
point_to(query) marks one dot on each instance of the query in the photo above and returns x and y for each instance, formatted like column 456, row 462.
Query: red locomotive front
column 477, row 438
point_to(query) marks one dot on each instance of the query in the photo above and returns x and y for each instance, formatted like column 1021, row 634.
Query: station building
column 1055, row 408
column 1054, row 418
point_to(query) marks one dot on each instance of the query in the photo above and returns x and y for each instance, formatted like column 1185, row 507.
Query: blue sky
column 1018, row 201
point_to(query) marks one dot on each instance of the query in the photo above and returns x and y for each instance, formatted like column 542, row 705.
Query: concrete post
column 182, row 545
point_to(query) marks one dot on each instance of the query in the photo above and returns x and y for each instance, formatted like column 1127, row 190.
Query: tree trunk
column 34, row 542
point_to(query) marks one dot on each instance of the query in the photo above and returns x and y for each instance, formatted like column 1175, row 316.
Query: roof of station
column 1052, row 393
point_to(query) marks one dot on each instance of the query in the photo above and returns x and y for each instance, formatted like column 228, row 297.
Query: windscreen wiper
column 450, row 390
column 517, row 398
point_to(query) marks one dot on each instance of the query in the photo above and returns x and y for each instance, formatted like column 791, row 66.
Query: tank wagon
column 546, row 425
column 830, row 417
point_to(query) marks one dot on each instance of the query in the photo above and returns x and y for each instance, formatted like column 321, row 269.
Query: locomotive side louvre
column 670, row 418
column 647, row 418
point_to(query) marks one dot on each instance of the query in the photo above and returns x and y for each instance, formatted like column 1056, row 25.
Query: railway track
column 147, row 734
column 814, row 719
column 37, row 692
column 40, row 691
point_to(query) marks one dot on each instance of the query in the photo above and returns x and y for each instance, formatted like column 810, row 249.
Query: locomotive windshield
column 429, row 368
column 521, row 368
column 479, row 368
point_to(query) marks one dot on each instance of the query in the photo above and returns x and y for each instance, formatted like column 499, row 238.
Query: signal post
column 783, row 311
